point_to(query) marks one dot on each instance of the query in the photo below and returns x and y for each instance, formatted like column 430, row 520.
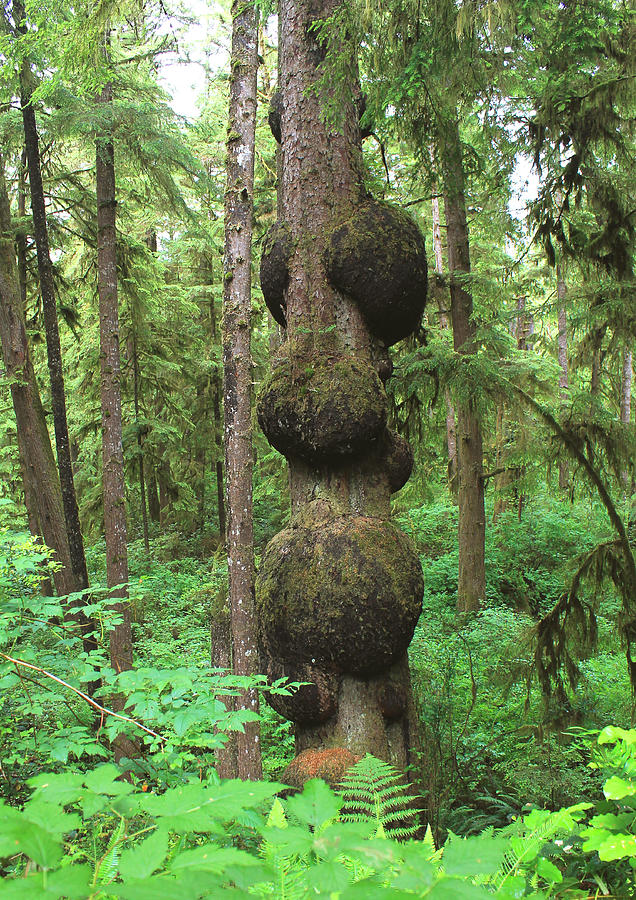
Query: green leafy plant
column 375, row 791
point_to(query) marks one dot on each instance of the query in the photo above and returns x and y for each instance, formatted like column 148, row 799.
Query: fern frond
column 374, row 790
column 107, row 866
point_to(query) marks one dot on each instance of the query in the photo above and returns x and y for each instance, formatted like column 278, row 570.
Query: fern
column 106, row 868
column 373, row 789
column 530, row 836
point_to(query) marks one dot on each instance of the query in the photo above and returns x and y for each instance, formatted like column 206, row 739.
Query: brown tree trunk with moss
column 40, row 475
column 564, row 469
column 472, row 518
column 626, row 401
column 110, row 381
column 217, row 418
column 237, row 367
column 339, row 591
column 49, row 307
column 442, row 295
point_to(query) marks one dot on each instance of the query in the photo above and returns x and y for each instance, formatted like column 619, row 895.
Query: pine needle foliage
column 373, row 789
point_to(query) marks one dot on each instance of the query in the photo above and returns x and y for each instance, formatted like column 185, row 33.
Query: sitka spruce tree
column 339, row 591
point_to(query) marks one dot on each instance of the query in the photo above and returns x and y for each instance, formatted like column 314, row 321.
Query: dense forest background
column 505, row 131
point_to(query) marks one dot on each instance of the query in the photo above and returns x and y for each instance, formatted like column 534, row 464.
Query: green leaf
column 59, row 789
column 142, row 860
column 616, row 788
column 19, row 835
column 328, row 877
column 618, row 846
column 454, row 889
column 212, row 858
column 104, row 780
column 316, row 805
column 481, row 855
column 548, row 871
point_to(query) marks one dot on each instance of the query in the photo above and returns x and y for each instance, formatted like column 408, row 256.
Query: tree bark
column 140, row 452
column 237, row 365
column 41, row 479
column 328, row 587
column 564, row 469
column 451, row 427
column 472, row 519
column 110, row 381
column 47, row 290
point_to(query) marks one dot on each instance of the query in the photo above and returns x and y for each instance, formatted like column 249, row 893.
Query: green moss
column 319, row 405
column 378, row 257
column 344, row 595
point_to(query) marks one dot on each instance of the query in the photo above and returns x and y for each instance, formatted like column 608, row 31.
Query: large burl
column 321, row 405
column 377, row 256
column 344, row 595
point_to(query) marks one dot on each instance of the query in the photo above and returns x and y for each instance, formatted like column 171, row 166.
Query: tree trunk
column 472, row 519
column 626, row 401
column 154, row 510
column 237, row 365
column 564, row 469
column 47, row 290
column 110, row 381
column 451, row 427
column 217, row 388
column 41, row 480
column 339, row 591
column 21, row 236
column 140, row 453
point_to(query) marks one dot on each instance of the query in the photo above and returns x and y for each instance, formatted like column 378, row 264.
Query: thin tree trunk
column 154, row 510
column 41, row 479
column 472, row 518
column 21, row 236
column 217, row 388
column 626, row 400
column 47, row 290
column 564, row 469
column 451, row 427
column 237, row 363
column 110, row 379
column 140, row 453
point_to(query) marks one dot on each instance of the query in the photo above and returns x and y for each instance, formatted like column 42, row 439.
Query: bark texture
column 339, row 590
column 472, row 518
column 441, row 293
column 41, row 481
column 110, row 381
column 237, row 363
column 564, row 470
column 47, row 291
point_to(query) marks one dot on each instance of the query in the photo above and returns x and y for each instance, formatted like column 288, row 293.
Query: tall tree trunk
column 110, row 381
column 339, row 590
column 472, row 518
column 564, row 469
column 47, row 290
column 140, row 452
column 451, row 427
column 41, row 479
column 217, row 418
column 237, row 364
column 626, row 400
column 21, row 236
column 154, row 509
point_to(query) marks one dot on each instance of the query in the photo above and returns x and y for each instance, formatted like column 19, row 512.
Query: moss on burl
column 321, row 406
column 274, row 272
column 274, row 114
column 344, row 596
column 378, row 258
column 397, row 459
column 311, row 704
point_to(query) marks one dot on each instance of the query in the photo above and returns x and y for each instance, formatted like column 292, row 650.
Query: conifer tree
column 237, row 365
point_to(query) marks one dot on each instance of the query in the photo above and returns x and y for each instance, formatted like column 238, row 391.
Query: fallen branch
column 102, row 709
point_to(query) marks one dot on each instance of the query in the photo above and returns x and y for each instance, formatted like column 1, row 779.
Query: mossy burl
column 344, row 596
column 320, row 406
column 378, row 257
column 314, row 702
column 274, row 270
